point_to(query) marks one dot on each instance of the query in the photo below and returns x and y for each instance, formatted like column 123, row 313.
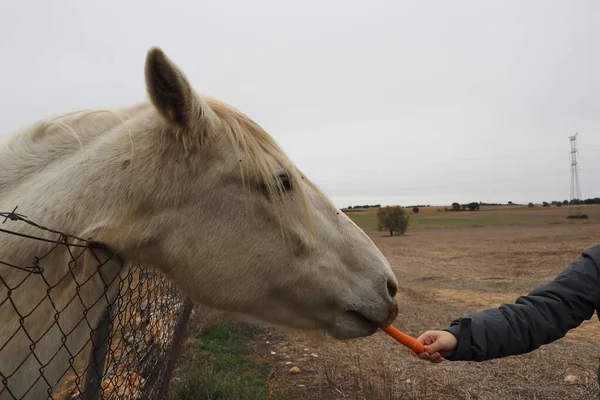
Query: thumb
column 433, row 347
column 433, row 344
column 430, row 341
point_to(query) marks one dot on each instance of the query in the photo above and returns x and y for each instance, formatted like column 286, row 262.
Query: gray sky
column 391, row 102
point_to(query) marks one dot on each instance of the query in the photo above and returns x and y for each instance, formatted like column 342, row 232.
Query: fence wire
column 76, row 322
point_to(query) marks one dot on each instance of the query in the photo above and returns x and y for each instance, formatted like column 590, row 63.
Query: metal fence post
column 179, row 336
column 95, row 369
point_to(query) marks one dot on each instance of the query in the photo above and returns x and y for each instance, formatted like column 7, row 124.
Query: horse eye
column 284, row 182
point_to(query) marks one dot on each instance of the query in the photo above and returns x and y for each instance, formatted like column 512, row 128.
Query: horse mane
column 254, row 147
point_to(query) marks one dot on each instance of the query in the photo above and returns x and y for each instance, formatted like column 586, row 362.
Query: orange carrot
column 404, row 339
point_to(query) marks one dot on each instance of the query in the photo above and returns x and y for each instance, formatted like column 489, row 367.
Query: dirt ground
column 445, row 273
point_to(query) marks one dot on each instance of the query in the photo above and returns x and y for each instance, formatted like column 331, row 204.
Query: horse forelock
column 260, row 158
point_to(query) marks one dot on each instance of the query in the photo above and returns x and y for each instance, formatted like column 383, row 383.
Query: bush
column 530, row 205
column 392, row 219
column 545, row 204
column 416, row 210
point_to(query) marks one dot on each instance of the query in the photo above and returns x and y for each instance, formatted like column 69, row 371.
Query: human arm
column 541, row 317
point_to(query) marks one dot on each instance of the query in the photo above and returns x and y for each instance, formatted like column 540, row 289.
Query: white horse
column 188, row 185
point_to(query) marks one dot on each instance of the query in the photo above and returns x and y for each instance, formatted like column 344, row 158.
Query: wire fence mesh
column 77, row 322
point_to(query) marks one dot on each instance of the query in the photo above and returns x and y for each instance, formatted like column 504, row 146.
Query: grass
column 370, row 222
column 217, row 366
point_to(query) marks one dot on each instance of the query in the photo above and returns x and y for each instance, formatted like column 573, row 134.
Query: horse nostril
column 392, row 288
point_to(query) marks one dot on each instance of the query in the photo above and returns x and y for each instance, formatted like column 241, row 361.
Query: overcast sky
column 391, row 102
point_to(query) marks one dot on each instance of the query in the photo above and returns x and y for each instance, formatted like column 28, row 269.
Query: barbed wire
column 76, row 322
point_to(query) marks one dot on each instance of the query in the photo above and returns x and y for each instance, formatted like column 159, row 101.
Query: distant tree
column 545, row 204
column 530, row 205
column 473, row 206
column 559, row 204
column 510, row 203
column 464, row 207
column 350, row 208
column 392, row 219
column 416, row 210
column 565, row 202
column 456, row 206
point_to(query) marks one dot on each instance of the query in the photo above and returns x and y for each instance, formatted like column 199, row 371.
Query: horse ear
column 170, row 91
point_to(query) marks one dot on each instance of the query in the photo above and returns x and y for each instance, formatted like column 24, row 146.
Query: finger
column 432, row 348
column 437, row 358
column 424, row 336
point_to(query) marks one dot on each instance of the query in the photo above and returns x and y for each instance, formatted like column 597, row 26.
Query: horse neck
column 76, row 183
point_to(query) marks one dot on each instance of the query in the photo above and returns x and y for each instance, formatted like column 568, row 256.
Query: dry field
column 445, row 273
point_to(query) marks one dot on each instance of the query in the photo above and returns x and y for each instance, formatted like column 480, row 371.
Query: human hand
column 438, row 344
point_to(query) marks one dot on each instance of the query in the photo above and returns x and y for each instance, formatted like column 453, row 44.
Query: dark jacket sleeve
column 541, row 317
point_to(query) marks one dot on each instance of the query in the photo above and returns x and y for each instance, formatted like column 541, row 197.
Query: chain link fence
column 77, row 322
